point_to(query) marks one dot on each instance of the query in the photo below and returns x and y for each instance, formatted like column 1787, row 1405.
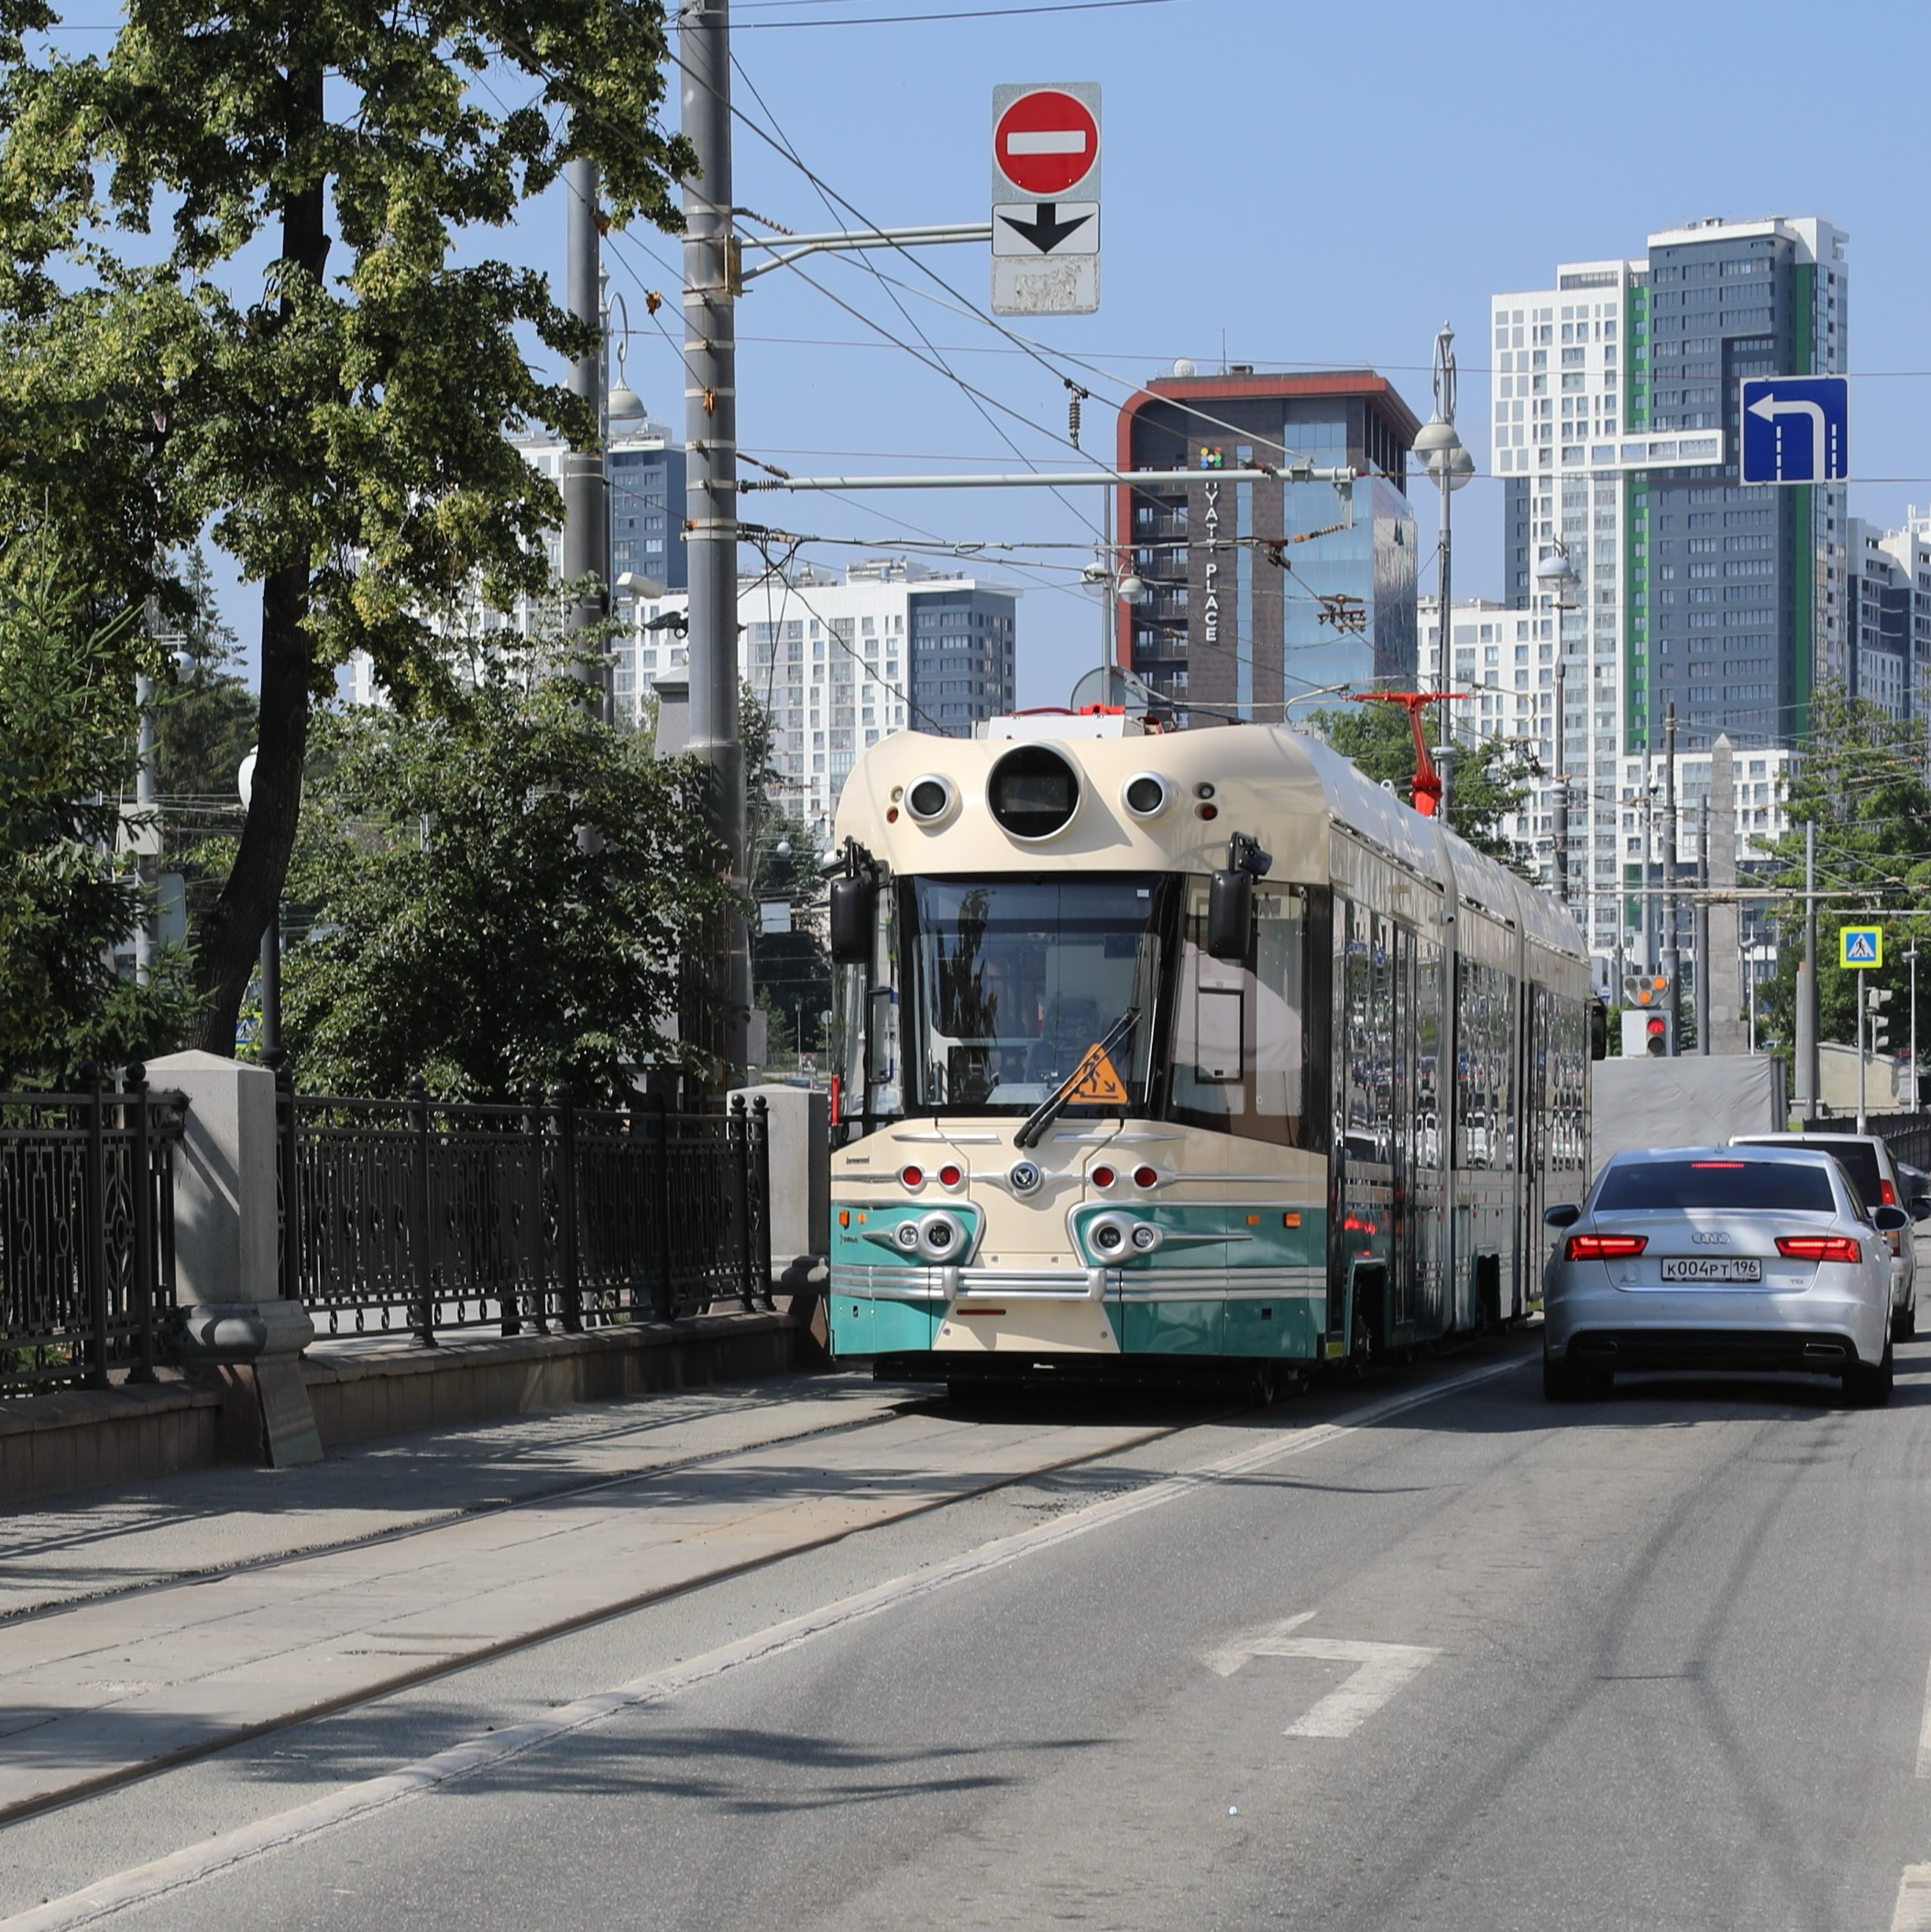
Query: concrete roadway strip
column 144, row 1883
column 93, row 1695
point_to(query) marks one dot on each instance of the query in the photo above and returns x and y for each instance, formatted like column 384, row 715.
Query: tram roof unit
column 1286, row 789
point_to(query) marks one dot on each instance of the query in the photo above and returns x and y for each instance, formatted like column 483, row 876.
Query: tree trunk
column 229, row 941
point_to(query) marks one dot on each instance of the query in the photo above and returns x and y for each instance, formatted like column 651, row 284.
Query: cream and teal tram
column 1158, row 1052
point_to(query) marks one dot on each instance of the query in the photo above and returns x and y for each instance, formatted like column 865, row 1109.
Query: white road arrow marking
column 1770, row 407
column 1382, row 1670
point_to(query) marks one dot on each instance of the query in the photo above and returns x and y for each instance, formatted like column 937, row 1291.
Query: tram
column 1158, row 1053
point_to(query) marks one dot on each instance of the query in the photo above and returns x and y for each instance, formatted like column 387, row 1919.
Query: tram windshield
column 1015, row 979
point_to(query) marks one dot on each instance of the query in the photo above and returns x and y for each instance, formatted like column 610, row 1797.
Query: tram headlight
column 1145, row 1237
column 940, row 1237
column 931, row 799
column 905, row 1238
column 1146, row 794
column 1110, row 1237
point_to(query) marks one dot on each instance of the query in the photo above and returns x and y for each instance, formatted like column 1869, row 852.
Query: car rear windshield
column 1748, row 1186
column 1858, row 1158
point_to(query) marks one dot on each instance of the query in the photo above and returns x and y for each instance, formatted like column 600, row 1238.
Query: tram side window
column 1239, row 1053
column 1428, row 1054
column 1484, row 1110
column 1367, row 972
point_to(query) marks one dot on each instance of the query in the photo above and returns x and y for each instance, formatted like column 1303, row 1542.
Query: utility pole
column 1911, row 960
column 1672, row 955
column 1700, row 928
column 586, row 489
column 1863, row 1003
column 710, row 441
column 144, row 934
column 1559, row 797
column 1807, row 983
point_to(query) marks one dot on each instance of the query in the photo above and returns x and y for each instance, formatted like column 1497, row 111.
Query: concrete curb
column 361, row 1388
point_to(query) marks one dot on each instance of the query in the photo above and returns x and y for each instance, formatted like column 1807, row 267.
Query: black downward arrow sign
column 1045, row 231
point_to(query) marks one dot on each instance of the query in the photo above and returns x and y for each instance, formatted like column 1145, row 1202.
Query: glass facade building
column 1259, row 595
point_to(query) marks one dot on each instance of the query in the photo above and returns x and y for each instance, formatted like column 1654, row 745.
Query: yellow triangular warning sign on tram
column 1095, row 1081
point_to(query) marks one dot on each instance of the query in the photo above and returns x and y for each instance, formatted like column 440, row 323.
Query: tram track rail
column 391, row 1683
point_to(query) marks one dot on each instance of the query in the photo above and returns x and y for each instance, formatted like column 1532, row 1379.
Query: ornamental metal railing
column 418, row 1215
column 86, row 1233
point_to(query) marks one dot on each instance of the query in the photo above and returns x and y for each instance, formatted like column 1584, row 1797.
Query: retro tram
column 1158, row 1053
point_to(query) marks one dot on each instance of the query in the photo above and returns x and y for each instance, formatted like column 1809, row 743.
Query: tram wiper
column 1050, row 1110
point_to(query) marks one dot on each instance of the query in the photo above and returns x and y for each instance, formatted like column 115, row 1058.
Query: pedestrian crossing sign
column 1861, row 945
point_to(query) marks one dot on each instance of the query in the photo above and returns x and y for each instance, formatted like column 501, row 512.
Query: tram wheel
column 1263, row 1389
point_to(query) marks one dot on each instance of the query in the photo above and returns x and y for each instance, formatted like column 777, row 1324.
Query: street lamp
column 1556, row 580
column 269, row 1049
column 1115, row 586
column 1446, row 457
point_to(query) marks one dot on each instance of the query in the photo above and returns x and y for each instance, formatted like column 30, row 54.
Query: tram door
column 1403, row 1150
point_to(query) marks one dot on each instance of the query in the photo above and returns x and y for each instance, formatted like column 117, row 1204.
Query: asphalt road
column 1370, row 1661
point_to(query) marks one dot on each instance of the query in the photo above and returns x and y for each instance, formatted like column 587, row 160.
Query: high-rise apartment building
column 841, row 665
column 1888, row 615
column 1225, row 629
column 1615, row 420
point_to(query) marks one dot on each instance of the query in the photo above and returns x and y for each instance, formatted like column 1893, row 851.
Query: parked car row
column 1779, row 1251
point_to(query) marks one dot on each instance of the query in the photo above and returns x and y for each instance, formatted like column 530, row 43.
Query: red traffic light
column 1656, row 1028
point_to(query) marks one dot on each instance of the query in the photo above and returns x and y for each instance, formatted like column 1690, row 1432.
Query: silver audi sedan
column 1720, row 1258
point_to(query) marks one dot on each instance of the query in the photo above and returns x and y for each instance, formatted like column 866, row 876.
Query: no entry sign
column 1046, row 141
column 1046, row 247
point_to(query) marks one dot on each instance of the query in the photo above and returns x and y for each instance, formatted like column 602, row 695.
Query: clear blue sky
column 1324, row 184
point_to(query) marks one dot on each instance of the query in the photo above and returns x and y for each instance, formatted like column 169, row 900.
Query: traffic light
column 1645, row 1032
column 1878, row 997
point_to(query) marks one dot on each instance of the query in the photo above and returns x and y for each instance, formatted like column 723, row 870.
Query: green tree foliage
column 1862, row 783
column 245, row 218
column 1489, row 780
column 497, row 896
column 67, row 750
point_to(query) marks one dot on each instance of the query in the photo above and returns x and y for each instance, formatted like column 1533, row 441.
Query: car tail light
column 1146, row 1177
column 913, row 1177
column 949, row 1175
column 1604, row 1248
column 1886, row 1194
column 1819, row 1247
column 1103, row 1177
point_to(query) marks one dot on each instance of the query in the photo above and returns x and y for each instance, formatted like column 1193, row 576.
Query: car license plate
column 1712, row 1267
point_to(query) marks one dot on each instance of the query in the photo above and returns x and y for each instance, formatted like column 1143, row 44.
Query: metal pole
column 1806, row 1015
column 1672, row 955
column 1910, row 959
column 710, row 430
column 1861, row 1128
column 1109, row 599
column 144, row 934
column 587, row 510
column 1700, row 928
column 1447, row 479
column 1559, row 799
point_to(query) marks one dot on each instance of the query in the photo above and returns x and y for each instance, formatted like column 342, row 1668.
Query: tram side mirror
column 853, row 905
column 1598, row 1030
column 1230, row 915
